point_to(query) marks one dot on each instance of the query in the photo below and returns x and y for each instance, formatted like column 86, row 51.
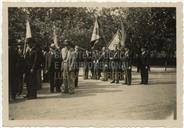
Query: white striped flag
column 115, row 40
column 55, row 36
column 96, row 34
column 123, row 35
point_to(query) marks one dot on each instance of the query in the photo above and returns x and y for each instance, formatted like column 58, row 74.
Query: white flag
column 55, row 36
column 115, row 41
column 123, row 35
column 28, row 30
column 96, row 33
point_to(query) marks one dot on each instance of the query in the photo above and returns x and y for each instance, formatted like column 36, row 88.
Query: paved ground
column 95, row 99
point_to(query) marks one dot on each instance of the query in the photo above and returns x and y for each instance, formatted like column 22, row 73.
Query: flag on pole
column 123, row 35
column 28, row 35
column 28, row 30
column 55, row 36
column 115, row 40
column 96, row 34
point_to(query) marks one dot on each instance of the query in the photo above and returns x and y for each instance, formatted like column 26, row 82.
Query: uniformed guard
column 32, row 65
column 116, row 65
column 128, row 67
column 76, row 61
column 96, row 65
column 144, row 65
column 104, row 60
column 87, row 58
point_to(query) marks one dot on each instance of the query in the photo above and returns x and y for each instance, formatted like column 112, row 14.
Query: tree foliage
column 154, row 28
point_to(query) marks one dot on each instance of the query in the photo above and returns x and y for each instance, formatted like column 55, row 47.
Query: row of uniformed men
column 116, row 65
column 63, row 67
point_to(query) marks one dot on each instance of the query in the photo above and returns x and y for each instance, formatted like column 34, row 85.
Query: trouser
column 96, row 73
column 39, row 83
column 51, row 79
column 121, row 74
column 128, row 76
column 71, row 81
column 20, row 83
column 32, row 85
column 115, row 75
column 58, row 80
column 76, row 78
column 12, row 87
column 66, row 77
column 55, row 80
column 144, row 75
column 86, row 71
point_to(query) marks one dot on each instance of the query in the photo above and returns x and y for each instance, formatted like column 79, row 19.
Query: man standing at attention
column 144, row 66
column 65, row 52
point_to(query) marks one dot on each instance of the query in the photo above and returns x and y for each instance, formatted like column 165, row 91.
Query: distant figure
column 144, row 66
column 128, row 67
column 96, row 63
column 87, row 58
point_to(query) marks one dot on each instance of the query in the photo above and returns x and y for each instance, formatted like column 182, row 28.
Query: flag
column 28, row 35
column 115, row 40
column 28, row 30
column 123, row 35
column 55, row 36
column 96, row 34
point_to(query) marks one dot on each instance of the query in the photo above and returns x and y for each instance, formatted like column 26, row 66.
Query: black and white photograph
column 92, row 63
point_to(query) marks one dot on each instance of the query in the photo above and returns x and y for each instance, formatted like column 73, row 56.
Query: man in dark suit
column 144, row 65
column 32, row 65
column 12, row 75
column 20, row 67
column 87, row 58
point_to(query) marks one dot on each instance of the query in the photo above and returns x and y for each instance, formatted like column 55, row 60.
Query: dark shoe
column 117, row 82
column 113, row 81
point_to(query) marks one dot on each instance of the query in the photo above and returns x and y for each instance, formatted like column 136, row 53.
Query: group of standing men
column 62, row 66
column 115, row 64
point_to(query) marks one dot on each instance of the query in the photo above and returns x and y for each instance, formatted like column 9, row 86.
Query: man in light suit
column 66, row 53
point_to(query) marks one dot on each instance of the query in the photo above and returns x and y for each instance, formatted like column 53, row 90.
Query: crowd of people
column 60, row 66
